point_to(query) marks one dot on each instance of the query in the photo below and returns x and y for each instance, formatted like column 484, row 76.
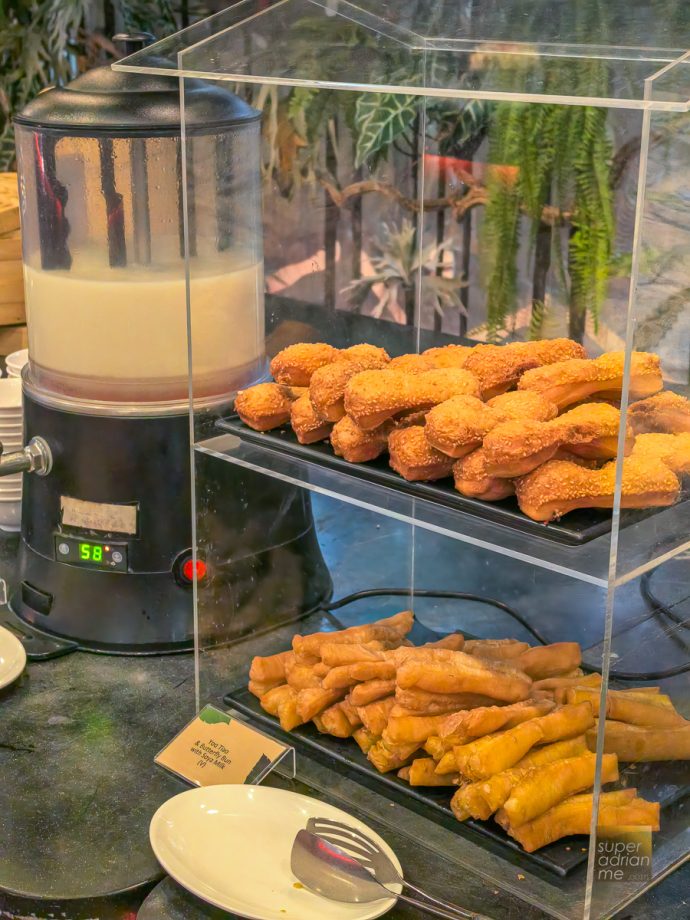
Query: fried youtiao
column 638, row 709
column 557, row 687
column 566, row 722
column 313, row 701
column 386, row 757
column 574, row 816
column 495, row 649
column 270, row 668
column 463, row 673
column 295, row 364
column 375, row 716
column 307, row 425
column 395, row 627
column 575, row 380
column 546, row 786
column 337, row 655
column 365, row 739
column 371, row 690
column 481, row 799
column 374, row 397
column 484, row 720
column 403, row 729
column 349, row 674
column 261, row 687
column 303, row 676
column 282, row 702
column 434, row 704
column 340, row 720
column 266, row 405
column 549, row 660
column 640, row 744
column 421, row 772
column 495, row 753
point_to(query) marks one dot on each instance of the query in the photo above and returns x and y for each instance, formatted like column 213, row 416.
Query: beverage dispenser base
column 105, row 559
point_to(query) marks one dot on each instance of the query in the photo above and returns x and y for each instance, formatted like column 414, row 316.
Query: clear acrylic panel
column 478, row 174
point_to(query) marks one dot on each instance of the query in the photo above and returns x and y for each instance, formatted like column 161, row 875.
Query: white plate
column 230, row 845
column 12, row 657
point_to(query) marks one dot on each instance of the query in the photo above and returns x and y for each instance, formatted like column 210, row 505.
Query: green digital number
column 97, row 554
column 85, row 551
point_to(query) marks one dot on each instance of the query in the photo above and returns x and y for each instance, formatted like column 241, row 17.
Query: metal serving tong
column 354, row 869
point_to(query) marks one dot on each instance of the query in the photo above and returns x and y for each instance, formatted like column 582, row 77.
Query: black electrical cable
column 493, row 602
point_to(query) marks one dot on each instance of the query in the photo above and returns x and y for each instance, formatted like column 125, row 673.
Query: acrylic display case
column 434, row 174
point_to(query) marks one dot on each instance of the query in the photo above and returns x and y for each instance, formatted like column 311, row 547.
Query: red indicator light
column 188, row 570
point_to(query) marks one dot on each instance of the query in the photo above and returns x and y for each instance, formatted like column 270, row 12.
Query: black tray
column 576, row 529
column 664, row 782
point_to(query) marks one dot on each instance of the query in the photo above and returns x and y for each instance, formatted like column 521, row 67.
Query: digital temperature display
column 111, row 556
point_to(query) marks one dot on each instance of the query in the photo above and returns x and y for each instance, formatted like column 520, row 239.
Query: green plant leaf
column 380, row 118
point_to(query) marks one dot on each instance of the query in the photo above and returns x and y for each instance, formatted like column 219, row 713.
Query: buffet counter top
column 78, row 787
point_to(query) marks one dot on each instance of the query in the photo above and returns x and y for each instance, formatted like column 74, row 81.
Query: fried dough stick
column 266, row 405
column 557, row 687
column 481, row 799
column 566, row 722
column 624, row 706
column 666, row 412
column 549, row 660
column 336, row 654
column 282, row 702
column 495, row 649
column 375, row 716
column 515, row 448
column 574, row 816
column 639, row 744
column 270, row 669
column 374, row 397
column 462, row 673
column 546, row 786
column 461, row 727
column 386, row 757
column 560, row 486
column 436, row 704
column 494, row 753
column 313, row 701
column 348, row 675
column 355, row 444
column 413, row 457
column 371, row 690
column 306, row 424
column 405, row 729
column 365, row 739
column 568, row 382
column 340, row 720
column 421, row 772
column 388, row 630
column 459, row 425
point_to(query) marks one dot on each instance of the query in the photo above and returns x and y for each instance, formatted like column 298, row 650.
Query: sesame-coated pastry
column 306, row 424
column 356, row 445
column 560, row 486
column 671, row 449
column 414, row 458
column 568, row 382
column 666, row 412
column 295, row 364
column 327, row 385
column 373, row 397
column 266, row 405
column 472, row 480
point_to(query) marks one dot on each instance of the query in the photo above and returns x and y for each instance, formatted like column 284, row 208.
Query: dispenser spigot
column 36, row 457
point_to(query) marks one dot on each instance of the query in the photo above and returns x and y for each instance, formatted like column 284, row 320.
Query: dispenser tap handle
column 36, row 457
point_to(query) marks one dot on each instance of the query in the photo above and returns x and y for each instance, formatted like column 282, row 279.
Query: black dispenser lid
column 108, row 102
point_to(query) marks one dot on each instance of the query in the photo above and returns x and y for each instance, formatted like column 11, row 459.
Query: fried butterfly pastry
column 266, row 405
column 327, row 384
column 671, row 449
column 295, row 364
column 499, row 367
column 306, row 424
column 666, row 412
column 473, row 481
column 414, row 458
column 560, row 486
column 568, row 382
column 356, row 445
column 374, row 397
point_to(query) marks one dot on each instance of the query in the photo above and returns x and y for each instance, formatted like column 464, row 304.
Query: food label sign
column 216, row 748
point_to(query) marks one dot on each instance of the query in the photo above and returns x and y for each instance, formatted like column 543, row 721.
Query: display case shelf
column 642, row 544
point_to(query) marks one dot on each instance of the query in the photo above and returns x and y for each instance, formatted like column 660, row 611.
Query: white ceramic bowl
column 10, row 393
column 16, row 361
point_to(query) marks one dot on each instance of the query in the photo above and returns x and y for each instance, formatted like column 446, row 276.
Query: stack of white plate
column 12, row 437
column 16, row 361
